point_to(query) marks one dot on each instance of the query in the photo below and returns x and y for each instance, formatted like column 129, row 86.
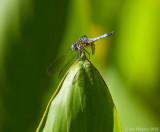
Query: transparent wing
column 58, row 65
column 54, row 67
column 67, row 65
column 93, row 48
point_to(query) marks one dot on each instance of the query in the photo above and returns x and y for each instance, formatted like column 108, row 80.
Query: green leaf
column 81, row 103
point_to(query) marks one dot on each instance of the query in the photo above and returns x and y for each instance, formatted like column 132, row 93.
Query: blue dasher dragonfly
column 79, row 48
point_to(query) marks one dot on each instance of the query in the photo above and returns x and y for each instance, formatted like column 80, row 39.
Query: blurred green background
column 34, row 32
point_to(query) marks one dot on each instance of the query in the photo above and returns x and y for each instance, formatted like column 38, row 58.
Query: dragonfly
column 79, row 48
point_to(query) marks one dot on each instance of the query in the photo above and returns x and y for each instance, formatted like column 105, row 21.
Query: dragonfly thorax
column 80, row 44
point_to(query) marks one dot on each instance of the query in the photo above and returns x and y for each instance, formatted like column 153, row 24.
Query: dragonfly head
column 74, row 46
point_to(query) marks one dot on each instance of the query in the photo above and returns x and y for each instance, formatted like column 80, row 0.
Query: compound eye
column 73, row 46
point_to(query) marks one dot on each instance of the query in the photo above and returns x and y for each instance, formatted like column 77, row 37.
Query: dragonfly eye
column 74, row 47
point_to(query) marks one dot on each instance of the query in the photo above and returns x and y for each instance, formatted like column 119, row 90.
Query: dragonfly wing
column 66, row 66
column 54, row 67
column 93, row 48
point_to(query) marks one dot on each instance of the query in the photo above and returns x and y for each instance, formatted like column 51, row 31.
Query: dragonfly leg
column 87, row 53
column 78, row 54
